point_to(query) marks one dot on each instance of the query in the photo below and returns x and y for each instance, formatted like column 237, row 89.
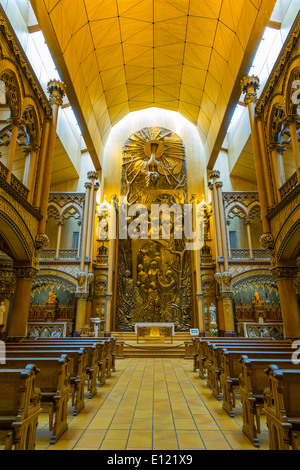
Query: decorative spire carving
column 57, row 91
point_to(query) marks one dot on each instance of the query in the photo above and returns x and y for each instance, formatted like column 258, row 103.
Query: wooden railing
column 3, row 170
column 14, row 182
column 18, row 186
column 245, row 254
column 63, row 254
column 288, row 186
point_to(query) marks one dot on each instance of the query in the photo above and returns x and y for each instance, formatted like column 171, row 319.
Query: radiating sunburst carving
column 150, row 155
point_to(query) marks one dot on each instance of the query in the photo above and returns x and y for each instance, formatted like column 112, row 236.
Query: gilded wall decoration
column 154, row 282
column 142, row 170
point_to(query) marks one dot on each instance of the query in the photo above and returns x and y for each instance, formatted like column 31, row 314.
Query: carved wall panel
column 154, row 275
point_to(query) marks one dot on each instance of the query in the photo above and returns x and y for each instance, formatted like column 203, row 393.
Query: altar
column 154, row 332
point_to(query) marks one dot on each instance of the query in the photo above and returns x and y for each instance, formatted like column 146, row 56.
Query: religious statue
column 212, row 311
column 213, row 320
column 256, row 296
column 260, row 318
column 52, row 297
column 2, row 313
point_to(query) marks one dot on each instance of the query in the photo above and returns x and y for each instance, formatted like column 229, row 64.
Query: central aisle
column 152, row 404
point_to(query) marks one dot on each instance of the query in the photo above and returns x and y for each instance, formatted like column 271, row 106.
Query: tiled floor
column 152, row 404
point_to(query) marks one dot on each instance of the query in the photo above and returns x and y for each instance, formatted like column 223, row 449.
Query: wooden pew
column 204, row 343
column 195, row 353
column 101, row 369
column 215, row 362
column 253, row 382
column 76, row 366
column 231, row 369
column 54, row 383
column 20, row 406
column 92, row 362
column 109, row 362
column 282, row 407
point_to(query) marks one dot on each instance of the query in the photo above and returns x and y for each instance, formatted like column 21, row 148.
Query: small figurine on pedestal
column 213, row 326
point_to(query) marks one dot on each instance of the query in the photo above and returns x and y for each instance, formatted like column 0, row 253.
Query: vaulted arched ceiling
column 118, row 56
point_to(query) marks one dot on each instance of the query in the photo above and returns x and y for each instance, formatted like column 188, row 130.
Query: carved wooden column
column 88, row 187
column 248, row 224
column 292, row 123
column 285, row 277
column 42, row 160
column 219, row 186
column 228, row 237
column 21, row 302
column 57, row 92
column 27, row 153
column 228, row 304
column 264, row 159
column 277, row 167
column 81, row 310
column 249, row 86
column 197, row 267
column 15, row 126
column 60, row 225
column 216, row 218
column 111, row 258
column 30, row 172
column 79, row 223
column 92, row 176
column 93, row 217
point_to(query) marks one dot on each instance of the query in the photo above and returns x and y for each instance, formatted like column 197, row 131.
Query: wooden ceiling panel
column 130, row 44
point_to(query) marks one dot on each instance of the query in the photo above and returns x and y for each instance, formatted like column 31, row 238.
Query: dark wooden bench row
column 64, row 365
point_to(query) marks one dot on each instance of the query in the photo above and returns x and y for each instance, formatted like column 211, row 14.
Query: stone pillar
column 27, row 153
column 292, row 123
column 228, row 237
column 79, row 223
column 93, row 217
column 219, row 186
column 21, row 302
column 15, row 126
column 111, row 258
column 277, row 167
column 81, row 311
column 42, row 160
column 216, row 214
column 228, row 304
column 88, row 187
column 197, row 266
column 30, row 181
column 220, row 309
column 285, row 277
column 7, row 287
column 92, row 176
column 264, row 159
column 60, row 225
column 247, row 223
column 57, row 92
column 249, row 86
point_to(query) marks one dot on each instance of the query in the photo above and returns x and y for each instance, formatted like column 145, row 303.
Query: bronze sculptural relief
column 154, row 274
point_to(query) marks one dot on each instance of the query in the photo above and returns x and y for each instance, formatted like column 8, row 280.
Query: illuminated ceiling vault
column 118, row 56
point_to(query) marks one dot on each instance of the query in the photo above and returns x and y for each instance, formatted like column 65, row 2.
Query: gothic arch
column 293, row 74
column 254, row 211
column 14, row 238
column 53, row 211
column 237, row 210
column 277, row 118
column 13, row 92
column 70, row 210
column 31, row 123
column 57, row 278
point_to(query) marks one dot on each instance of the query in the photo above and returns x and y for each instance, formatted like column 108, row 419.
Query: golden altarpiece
column 154, row 274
